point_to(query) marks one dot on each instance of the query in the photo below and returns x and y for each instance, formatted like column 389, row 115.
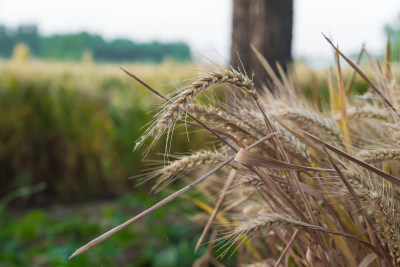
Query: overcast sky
column 206, row 24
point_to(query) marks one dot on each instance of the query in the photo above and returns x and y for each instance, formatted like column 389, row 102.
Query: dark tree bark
column 267, row 24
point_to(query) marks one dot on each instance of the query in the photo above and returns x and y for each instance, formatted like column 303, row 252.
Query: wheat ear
column 387, row 228
column 249, row 228
column 367, row 112
column 393, row 132
column 358, row 181
column 311, row 121
column 183, row 99
column 223, row 120
column 380, row 154
column 291, row 143
column 257, row 225
column 169, row 173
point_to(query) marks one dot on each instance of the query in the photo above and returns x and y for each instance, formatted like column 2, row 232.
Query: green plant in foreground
column 296, row 186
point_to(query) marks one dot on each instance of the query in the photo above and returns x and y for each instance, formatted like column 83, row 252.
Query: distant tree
column 7, row 42
column 29, row 35
column 73, row 46
column 9, row 38
column 267, row 24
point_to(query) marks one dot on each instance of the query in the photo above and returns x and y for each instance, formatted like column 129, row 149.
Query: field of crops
column 74, row 126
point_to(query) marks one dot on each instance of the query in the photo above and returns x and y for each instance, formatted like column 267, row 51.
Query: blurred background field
column 77, row 123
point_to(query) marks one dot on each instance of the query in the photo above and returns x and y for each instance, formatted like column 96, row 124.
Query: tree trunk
column 267, row 24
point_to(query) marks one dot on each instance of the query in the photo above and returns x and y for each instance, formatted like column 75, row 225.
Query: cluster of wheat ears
column 294, row 185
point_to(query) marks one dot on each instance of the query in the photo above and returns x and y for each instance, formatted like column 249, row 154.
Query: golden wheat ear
column 178, row 105
column 150, row 131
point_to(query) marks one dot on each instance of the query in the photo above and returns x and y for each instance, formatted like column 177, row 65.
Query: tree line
column 73, row 46
column 393, row 30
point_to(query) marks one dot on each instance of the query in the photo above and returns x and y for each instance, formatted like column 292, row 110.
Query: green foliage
column 27, row 34
column 47, row 237
column 74, row 46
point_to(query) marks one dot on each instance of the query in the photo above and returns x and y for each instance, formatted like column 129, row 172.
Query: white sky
column 206, row 24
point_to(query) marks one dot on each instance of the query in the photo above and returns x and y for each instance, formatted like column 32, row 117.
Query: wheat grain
column 251, row 180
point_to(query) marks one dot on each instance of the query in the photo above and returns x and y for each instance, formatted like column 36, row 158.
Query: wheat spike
column 379, row 154
column 251, row 180
column 311, row 121
column 291, row 143
column 393, row 132
column 367, row 112
column 358, row 181
column 226, row 122
column 169, row 173
column 257, row 225
column 183, row 99
column 387, row 227
column 220, row 118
